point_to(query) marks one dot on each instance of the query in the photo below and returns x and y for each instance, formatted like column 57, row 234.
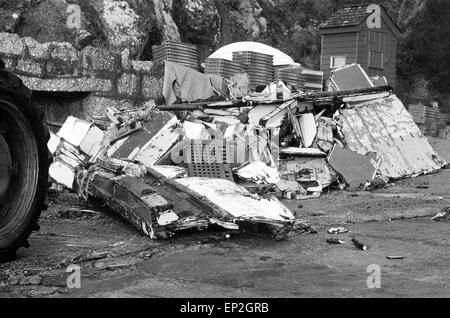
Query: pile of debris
column 218, row 154
column 124, row 168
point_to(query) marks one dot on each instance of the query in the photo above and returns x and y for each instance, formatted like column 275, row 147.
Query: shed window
column 376, row 59
column 338, row 61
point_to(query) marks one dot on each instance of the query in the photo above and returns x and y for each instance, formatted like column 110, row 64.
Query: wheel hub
column 5, row 167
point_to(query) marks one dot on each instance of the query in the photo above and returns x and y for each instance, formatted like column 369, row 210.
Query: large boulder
column 122, row 25
column 9, row 19
column 242, row 21
column 113, row 24
column 166, row 22
column 49, row 20
column 199, row 21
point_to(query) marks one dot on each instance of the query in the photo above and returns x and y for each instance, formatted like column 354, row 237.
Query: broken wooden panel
column 307, row 169
column 365, row 98
column 239, row 203
column 277, row 120
column 325, row 137
column 385, row 127
column 70, row 155
column 139, row 139
column 297, row 128
column 220, row 112
column 160, row 144
column 275, row 117
column 355, row 168
column 259, row 112
column 226, row 120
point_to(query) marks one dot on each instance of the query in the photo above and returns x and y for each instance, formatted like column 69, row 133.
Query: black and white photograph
column 224, row 155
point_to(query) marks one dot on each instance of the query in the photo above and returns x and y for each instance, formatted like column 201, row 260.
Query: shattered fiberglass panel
column 238, row 202
column 385, row 127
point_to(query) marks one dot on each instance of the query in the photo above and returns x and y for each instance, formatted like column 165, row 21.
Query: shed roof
column 347, row 16
column 353, row 17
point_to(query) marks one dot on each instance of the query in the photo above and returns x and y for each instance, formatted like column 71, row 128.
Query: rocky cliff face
column 139, row 24
column 289, row 25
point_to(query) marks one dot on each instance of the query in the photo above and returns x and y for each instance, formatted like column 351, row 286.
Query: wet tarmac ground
column 116, row 261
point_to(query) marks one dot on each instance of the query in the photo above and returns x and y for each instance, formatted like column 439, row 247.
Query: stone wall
column 105, row 78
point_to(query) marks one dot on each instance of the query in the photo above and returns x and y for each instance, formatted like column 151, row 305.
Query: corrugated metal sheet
column 385, row 127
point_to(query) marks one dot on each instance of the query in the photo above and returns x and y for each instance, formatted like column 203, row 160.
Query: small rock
column 11, row 44
column 30, row 67
column 30, row 280
column 128, row 84
column 55, row 281
column 14, row 280
column 142, row 66
column 116, row 264
column 83, row 38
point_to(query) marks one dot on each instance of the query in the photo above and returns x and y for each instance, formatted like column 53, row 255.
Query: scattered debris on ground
column 444, row 214
column 395, row 257
column 335, row 241
column 359, row 245
column 337, row 230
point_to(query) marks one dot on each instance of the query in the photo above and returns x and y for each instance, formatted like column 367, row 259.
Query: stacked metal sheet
column 258, row 66
column 291, row 75
column 313, row 80
column 429, row 119
column 180, row 53
column 222, row 67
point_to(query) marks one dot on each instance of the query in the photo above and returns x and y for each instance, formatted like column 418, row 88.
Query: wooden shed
column 347, row 39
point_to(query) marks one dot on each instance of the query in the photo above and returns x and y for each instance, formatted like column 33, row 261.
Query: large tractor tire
column 24, row 162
